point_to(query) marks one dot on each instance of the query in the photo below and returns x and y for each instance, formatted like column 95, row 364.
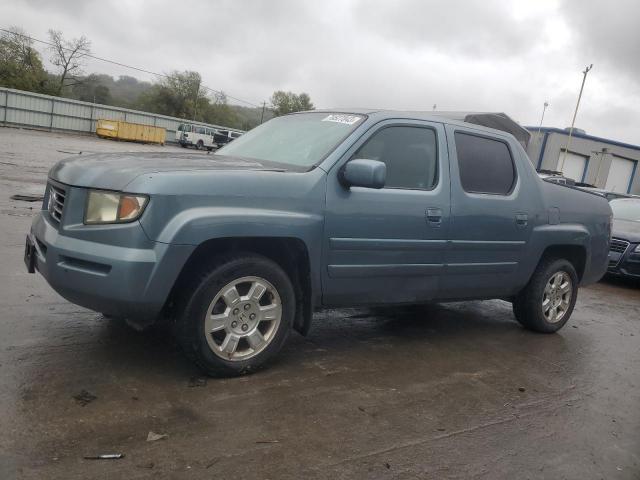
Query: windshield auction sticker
column 347, row 119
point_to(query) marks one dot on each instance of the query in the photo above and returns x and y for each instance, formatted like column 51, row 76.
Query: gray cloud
column 607, row 33
column 404, row 54
column 485, row 29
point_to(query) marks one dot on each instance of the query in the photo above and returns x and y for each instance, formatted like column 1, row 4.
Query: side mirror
column 364, row 173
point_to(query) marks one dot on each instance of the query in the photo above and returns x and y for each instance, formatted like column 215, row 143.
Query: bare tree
column 68, row 56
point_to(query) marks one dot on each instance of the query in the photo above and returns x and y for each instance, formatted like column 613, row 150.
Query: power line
column 106, row 60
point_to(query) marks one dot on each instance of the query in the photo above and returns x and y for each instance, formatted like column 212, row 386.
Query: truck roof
column 491, row 120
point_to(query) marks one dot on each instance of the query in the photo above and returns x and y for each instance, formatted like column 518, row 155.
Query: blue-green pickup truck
column 312, row 210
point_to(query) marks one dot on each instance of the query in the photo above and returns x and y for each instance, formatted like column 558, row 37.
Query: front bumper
column 116, row 280
column 626, row 264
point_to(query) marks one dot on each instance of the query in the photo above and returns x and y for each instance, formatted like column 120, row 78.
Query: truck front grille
column 55, row 205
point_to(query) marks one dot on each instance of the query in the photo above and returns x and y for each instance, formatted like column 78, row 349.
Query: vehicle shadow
column 622, row 282
column 450, row 335
column 478, row 326
column 153, row 359
column 431, row 320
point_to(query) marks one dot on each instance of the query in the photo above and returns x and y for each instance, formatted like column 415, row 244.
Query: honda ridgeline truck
column 313, row 210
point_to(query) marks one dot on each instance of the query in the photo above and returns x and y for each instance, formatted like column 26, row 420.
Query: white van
column 195, row 136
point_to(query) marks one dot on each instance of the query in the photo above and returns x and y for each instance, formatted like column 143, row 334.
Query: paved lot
column 445, row 391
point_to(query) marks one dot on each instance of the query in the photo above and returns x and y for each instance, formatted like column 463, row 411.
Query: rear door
column 491, row 209
column 387, row 245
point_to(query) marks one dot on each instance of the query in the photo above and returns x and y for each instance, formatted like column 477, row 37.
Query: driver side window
column 410, row 154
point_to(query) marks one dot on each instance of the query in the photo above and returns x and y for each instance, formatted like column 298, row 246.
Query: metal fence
column 56, row 113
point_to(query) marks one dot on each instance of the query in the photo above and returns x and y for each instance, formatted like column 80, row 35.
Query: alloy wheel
column 243, row 318
column 556, row 298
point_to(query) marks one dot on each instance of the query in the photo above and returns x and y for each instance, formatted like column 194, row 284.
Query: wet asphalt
column 442, row 391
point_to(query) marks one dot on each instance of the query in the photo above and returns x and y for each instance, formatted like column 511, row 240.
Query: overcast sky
column 400, row 54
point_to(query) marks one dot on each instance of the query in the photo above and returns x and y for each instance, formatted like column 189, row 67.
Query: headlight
column 637, row 249
column 113, row 207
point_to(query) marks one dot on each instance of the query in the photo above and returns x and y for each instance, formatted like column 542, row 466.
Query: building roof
column 578, row 134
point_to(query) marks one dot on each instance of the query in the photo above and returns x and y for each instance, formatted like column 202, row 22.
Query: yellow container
column 132, row 132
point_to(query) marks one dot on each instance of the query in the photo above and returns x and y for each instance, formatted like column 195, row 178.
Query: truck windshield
column 626, row 209
column 301, row 140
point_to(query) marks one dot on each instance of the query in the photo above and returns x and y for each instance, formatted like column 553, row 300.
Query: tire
column 547, row 284
column 229, row 349
column 199, row 145
column 183, row 145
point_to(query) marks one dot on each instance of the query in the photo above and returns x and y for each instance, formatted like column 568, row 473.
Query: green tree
column 102, row 95
column 289, row 102
column 178, row 95
column 91, row 89
column 20, row 64
column 219, row 112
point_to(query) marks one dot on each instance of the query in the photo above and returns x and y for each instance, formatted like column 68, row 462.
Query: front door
column 387, row 245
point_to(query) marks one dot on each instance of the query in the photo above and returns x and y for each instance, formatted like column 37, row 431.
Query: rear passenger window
column 485, row 164
column 410, row 154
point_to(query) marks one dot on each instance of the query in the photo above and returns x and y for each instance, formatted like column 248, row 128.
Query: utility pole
column 546, row 104
column 573, row 121
column 264, row 104
column 602, row 153
column 195, row 105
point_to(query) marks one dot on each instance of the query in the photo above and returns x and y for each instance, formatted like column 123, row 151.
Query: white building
column 598, row 161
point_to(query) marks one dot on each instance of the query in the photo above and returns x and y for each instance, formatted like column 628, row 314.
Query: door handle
column 522, row 219
column 434, row 216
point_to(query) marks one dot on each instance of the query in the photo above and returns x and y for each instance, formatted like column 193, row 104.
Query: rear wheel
column 199, row 145
column 546, row 303
column 239, row 316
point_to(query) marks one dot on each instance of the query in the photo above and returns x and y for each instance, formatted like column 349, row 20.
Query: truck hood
column 626, row 230
column 114, row 171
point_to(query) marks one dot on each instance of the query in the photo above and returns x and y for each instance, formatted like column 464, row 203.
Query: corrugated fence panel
column 171, row 126
column 25, row 102
column 71, row 123
column 72, row 109
column 44, row 111
column 107, row 113
column 25, row 117
column 167, row 123
column 3, row 102
column 138, row 118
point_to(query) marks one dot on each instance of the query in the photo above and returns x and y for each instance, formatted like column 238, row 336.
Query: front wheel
column 239, row 315
column 546, row 303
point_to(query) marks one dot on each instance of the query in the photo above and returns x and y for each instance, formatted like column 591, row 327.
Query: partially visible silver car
column 624, row 251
